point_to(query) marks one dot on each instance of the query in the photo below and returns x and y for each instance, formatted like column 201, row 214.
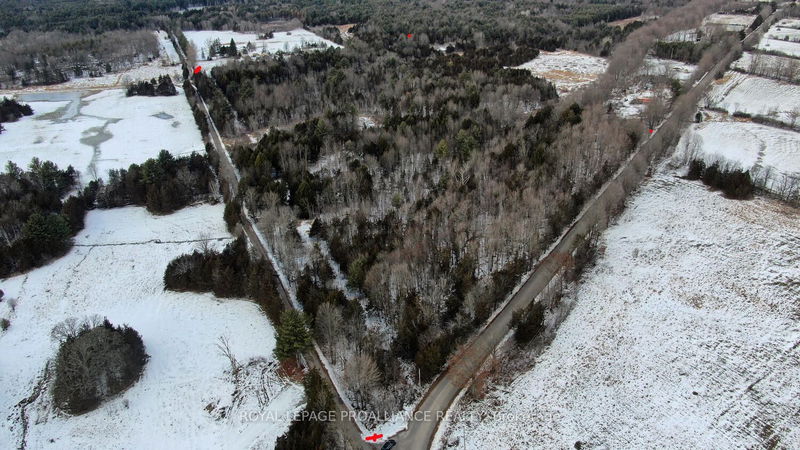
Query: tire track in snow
column 153, row 241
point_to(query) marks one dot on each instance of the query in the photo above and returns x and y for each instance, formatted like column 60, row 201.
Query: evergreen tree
column 232, row 52
column 294, row 337
column 48, row 233
column 527, row 323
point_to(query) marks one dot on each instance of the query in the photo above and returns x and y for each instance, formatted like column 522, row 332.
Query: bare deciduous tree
column 361, row 374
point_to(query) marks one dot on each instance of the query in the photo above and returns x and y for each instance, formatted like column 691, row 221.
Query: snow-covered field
column 782, row 32
column 782, row 37
column 686, row 334
column 666, row 67
column 755, row 95
column 731, row 22
column 784, row 47
column 282, row 41
column 767, row 65
column 116, row 270
column 567, row 70
column 101, row 131
column 746, row 144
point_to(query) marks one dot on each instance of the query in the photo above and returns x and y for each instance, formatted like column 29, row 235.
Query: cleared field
column 757, row 96
column 783, row 47
column 115, row 270
column 783, row 34
column 749, row 145
column 282, row 41
column 567, row 70
column 768, row 65
column 667, row 67
column 101, row 131
column 731, row 22
column 685, row 334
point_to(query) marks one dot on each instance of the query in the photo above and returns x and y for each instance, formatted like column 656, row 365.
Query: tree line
column 50, row 57
column 162, row 86
column 232, row 272
column 163, row 184
column 35, row 224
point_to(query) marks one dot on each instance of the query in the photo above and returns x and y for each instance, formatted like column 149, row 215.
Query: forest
column 431, row 180
column 35, row 224
column 405, row 189
column 50, row 57
column 80, row 16
column 405, row 182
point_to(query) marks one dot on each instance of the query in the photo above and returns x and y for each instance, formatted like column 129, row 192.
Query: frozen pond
column 98, row 131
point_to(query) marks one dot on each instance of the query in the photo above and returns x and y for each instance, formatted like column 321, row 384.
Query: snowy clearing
column 738, row 92
column 116, row 270
column 782, row 33
column 633, row 101
column 747, row 144
column 686, row 334
column 782, row 47
column 666, row 67
column 282, row 41
column 730, row 22
column 768, row 65
column 566, row 69
column 98, row 132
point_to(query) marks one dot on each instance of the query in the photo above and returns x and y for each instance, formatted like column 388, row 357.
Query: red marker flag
column 651, row 131
column 374, row 437
column 409, row 35
column 198, row 69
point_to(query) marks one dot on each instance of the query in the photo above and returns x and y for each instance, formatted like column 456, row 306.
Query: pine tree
column 294, row 337
column 232, row 52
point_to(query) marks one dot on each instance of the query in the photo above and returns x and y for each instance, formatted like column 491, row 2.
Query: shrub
column 11, row 111
column 96, row 363
column 696, row 169
column 4, row 324
column 528, row 323
column 734, row 183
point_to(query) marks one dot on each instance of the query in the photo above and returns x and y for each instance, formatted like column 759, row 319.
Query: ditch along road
column 432, row 409
column 466, row 363
column 348, row 430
